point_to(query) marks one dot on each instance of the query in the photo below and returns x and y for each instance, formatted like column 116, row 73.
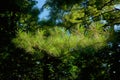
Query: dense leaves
column 76, row 42
column 60, row 42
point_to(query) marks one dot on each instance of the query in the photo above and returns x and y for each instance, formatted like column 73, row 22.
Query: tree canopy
column 76, row 42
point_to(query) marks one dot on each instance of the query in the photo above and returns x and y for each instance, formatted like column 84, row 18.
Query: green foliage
column 15, row 63
column 60, row 42
column 73, row 44
column 84, row 12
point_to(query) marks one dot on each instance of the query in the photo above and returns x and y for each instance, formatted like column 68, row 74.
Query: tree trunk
column 45, row 67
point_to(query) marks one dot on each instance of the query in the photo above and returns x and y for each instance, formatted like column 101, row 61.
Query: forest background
column 77, row 41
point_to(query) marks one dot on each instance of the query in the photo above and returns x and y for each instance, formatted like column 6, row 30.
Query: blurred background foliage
column 78, row 41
